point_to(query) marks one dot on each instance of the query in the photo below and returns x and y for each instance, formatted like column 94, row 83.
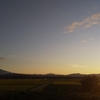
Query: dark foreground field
column 58, row 90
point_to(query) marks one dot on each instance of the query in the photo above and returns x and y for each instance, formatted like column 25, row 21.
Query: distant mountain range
column 7, row 74
column 2, row 72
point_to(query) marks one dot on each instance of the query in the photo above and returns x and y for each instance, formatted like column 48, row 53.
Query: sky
column 50, row 36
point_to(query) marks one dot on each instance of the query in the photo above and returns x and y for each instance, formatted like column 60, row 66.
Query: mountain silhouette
column 3, row 72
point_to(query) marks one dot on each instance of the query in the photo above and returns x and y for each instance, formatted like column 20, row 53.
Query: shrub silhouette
column 89, row 82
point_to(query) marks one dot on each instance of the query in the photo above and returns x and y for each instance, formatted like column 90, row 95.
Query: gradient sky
column 50, row 36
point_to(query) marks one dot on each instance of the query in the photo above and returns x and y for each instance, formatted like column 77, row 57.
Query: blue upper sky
column 50, row 36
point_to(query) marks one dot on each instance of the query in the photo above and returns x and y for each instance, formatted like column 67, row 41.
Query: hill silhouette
column 3, row 72
column 11, row 75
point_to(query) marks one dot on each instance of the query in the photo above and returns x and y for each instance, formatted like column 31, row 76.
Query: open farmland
column 19, row 84
column 67, row 81
column 71, row 90
column 15, row 87
column 58, row 89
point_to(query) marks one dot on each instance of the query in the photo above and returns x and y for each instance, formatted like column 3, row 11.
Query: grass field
column 15, row 87
column 66, row 81
column 70, row 92
column 60, row 89
column 19, row 84
column 21, row 81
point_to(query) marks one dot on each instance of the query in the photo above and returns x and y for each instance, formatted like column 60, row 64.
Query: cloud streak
column 83, row 41
column 86, row 23
column 3, row 59
column 91, row 39
column 78, row 66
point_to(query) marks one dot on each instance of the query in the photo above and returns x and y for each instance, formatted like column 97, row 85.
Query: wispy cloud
column 91, row 39
column 86, row 23
column 78, row 66
column 3, row 59
column 83, row 41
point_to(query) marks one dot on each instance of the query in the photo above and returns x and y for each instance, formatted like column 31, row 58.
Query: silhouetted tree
column 89, row 82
